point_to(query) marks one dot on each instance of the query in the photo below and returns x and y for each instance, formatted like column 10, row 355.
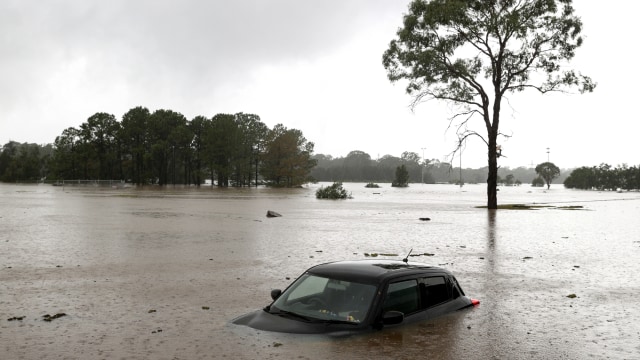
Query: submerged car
column 354, row 296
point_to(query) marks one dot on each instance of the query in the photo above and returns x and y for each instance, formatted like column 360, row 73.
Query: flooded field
column 159, row 273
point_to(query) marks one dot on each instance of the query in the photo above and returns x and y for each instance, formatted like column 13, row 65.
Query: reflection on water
column 199, row 257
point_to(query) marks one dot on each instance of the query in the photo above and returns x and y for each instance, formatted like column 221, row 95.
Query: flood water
column 159, row 273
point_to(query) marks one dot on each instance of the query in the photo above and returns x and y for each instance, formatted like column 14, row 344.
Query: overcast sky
column 310, row 65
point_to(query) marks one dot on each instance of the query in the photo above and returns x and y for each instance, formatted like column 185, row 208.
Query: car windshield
column 317, row 298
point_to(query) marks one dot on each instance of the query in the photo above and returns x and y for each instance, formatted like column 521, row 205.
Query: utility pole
column 548, row 150
column 460, row 167
column 423, row 165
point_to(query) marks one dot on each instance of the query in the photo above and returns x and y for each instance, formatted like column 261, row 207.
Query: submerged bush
column 335, row 191
column 372, row 185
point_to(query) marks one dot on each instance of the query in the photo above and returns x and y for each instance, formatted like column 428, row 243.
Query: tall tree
column 166, row 141
column 287, row 160
column 472, row 53
column 66, row 160
column 548, row 171
column 402, row 177
column 199, row 126
column 223, row 139
column 135, row 139
column 253, row 135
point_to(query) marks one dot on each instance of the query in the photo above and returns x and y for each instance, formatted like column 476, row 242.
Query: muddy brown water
column 159, row 273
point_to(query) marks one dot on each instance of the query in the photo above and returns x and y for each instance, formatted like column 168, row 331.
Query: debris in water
column 48, row 317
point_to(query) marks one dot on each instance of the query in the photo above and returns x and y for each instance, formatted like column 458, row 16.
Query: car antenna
column 406, row 259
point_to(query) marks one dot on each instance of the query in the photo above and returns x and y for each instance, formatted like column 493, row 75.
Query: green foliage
column 287, row 158
column 472, row 53
column 538, row 182
column 402, row 177
column 547, row 171
column 604, row 177
column 163, row 148
column 24, row 162
column 334, row 191
column 383, row 169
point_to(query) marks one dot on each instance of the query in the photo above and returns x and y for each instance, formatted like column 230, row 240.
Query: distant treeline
column 604, row 177
column 358, row 166
column 162, row 148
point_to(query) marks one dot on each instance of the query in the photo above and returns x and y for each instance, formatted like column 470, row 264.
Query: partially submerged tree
column 547, row 171
column 333, row 191
column 472, row 53
column 402, row 177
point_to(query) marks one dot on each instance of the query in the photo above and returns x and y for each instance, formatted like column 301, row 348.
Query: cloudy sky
column 310, row 65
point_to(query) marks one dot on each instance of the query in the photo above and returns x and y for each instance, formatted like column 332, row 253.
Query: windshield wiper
column 292, row 314
column 334, row 321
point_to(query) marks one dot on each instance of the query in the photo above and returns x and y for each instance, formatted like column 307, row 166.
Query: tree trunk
column 492, row 179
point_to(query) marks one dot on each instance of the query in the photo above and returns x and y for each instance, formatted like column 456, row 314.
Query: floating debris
column 423, row 254
column 205, row 308
column 16, row 318
column 151, row 311
column 572, row 296
column 48, row 317
column 527, row 258
column 424, row 219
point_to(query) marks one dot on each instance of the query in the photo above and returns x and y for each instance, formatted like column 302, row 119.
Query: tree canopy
column 164, row 147
column 547, row 171
column 604, row 177
column 473, row 53
column 402, row 177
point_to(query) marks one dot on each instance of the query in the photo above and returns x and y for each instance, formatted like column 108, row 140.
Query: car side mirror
column 275, row 293
column 392, row 317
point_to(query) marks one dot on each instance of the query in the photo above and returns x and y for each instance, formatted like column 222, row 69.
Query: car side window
column 457, row 290
column 402, row 296
column 434, row 290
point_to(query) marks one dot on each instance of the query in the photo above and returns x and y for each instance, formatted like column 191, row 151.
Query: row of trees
column 163, row 147
column 24, row 162
column 604, row 177
column 358, row 166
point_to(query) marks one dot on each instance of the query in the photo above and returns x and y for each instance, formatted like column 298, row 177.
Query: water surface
column 159, row 273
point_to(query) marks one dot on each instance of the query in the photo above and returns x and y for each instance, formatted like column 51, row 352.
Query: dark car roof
column 372, row 271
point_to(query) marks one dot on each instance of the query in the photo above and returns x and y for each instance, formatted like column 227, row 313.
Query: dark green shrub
column 335, row 191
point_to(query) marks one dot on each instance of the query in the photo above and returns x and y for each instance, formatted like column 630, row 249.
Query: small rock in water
column 271, row 213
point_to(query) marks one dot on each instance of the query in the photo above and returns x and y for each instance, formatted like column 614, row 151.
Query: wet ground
column 141, row 274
